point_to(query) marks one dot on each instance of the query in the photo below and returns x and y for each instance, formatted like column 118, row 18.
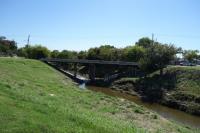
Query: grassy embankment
column 179, row 88
column 36, row 98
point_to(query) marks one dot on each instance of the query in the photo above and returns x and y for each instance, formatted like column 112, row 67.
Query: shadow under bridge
column 94, row 69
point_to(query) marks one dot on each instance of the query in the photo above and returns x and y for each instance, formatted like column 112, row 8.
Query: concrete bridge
column 92, row 66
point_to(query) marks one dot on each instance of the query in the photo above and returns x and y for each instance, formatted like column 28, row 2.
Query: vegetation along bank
column 178, row 87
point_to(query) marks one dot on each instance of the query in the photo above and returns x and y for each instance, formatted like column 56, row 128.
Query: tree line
column 7, row 47
column 151, row 55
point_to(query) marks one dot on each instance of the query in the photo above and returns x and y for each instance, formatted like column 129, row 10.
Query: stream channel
column 166, row 112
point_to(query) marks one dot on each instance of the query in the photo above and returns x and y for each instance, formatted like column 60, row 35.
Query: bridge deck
column 120, row 63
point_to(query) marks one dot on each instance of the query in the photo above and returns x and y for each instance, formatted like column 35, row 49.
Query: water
column 82, row 86
column 168, row 113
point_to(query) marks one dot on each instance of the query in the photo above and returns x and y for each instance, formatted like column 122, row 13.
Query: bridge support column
column 75, row 69
column 92, row 72
column 131, row 71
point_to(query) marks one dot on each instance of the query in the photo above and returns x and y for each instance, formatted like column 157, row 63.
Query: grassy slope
column 36, row 98
column 188, row 79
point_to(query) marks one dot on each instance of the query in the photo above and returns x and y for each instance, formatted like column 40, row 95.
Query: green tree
column 8, row 47
column 38, row 52
column 133, row 53
column 82, row 55
column 66, row 54
column 104, row 52
column 54, row 54
column 190, row 55
column 157, row 57
column 144, row 42
column 93, row 54
column 22, row 52
column 34, row 52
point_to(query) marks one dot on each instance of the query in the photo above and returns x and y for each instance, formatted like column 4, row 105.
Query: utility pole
column 28, row 40
column 152, row 38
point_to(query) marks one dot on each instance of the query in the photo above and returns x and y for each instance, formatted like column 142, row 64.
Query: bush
column 7, row 47
column 34, row 52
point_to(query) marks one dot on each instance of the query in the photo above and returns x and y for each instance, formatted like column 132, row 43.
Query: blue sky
column 81, row 24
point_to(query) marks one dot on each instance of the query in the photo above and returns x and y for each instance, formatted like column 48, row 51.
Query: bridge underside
column 108, row 70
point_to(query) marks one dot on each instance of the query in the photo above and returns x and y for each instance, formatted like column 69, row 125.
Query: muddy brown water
column 166, row 112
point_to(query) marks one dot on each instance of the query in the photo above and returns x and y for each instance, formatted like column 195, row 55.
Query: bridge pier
column 75, row 69
column 133, row 71
column 92, row 72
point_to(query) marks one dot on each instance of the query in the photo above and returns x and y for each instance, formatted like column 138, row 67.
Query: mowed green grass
column 35, row 98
